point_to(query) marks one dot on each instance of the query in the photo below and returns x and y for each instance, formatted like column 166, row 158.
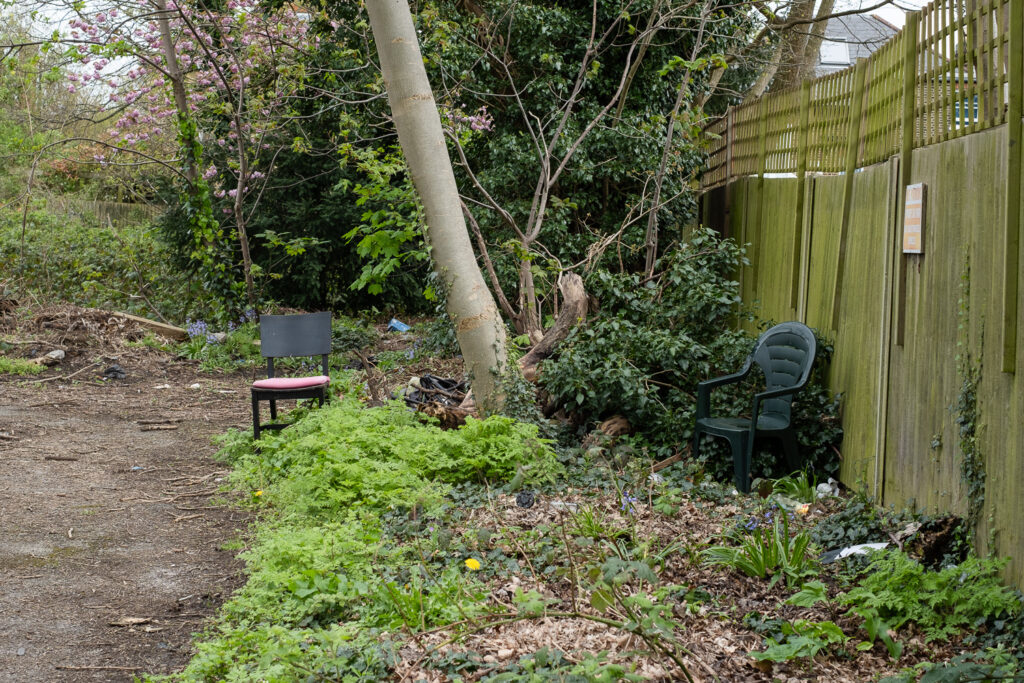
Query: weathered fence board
column 900, row 401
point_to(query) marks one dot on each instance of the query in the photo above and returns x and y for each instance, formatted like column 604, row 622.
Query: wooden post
column 907, row 126
column 801, row 176
column 850, row 168
column 727, row 224
column 885, row 338
column 762, row 161
column 1014, row 139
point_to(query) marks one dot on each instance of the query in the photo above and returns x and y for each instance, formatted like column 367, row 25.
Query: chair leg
column 273, row 409
column 695, row 449
column 255, row 417
column 741, row 457
column 789, row 445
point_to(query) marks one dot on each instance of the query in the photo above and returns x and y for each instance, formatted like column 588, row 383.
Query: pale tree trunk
column 240, row 187
column 478, row 325
column 177, row 86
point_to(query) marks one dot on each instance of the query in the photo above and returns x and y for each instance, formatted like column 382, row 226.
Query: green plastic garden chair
column 785, row 354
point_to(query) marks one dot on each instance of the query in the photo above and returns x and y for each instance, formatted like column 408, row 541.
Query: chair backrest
column 306, row 334
column 785, row 353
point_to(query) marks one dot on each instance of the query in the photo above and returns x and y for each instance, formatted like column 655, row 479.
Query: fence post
column 727, row 214
column 1014, row 139
column 850, row 167
column 801, row 176
column 907, row 128
column 762, row 162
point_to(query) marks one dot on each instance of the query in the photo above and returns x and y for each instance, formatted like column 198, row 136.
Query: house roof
column 859, row 34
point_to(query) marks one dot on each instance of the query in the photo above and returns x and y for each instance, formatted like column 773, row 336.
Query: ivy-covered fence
column 926, row 345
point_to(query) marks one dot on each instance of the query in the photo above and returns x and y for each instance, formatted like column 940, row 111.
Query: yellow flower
column 258, row 493
column 473, row 564
column 803, row 509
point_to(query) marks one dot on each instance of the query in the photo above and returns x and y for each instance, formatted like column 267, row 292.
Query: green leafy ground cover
column 389, row 549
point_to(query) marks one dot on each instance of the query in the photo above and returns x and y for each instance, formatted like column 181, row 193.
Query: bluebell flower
column 196, row 328
column 628, row 503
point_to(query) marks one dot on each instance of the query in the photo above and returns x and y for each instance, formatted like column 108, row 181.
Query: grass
column 18, row 366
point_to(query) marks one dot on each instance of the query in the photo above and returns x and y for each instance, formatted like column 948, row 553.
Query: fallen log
column 169, row 331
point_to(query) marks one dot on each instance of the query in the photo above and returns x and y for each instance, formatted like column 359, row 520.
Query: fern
column 941, row 603
column 346, row 456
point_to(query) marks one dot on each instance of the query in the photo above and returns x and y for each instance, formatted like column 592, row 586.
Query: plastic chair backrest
column 785, row 353
column 306, row 334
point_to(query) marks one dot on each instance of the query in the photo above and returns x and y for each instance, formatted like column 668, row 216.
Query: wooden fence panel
column 826, row 227
column 908, row 327
column 859, row 355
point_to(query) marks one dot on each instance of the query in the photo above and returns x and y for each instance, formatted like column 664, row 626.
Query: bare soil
column 112, row 525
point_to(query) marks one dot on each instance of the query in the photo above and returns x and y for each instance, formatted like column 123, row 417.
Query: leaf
column 601, row 599
column 812, row 593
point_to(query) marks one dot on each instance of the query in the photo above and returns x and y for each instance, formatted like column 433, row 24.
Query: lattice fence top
column 946, row 74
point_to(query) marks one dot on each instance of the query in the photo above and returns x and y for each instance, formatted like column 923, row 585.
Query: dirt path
column 111, row 546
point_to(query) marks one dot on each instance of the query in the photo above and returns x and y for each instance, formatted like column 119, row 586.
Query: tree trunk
column 574, row 311
column 177, row 80
column 478, row 324
column 792, row 44
column 815, row 39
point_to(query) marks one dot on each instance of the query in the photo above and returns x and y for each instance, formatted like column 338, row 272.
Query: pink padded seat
column 291, row 382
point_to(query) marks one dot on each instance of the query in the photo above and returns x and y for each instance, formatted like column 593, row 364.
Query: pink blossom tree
column 206, row 78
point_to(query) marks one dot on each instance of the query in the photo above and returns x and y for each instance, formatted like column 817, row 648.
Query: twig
column 98, row 668
column 60, row 458
column 76, row 372
column 29, row 342
column 184, row 518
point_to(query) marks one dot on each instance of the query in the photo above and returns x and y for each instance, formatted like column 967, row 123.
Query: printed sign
column 913, row 220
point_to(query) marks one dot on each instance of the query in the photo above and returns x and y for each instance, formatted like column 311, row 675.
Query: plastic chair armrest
column 755, row 409
column 704, row 388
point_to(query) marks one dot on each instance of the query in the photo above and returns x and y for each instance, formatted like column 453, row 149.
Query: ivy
column 972, row 463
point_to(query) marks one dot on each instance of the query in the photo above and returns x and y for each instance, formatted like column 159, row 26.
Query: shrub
column 72, row 258
column 655, row 339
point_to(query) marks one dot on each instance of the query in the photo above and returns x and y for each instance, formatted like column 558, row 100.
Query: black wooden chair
column 785, row 353
column 286, row 336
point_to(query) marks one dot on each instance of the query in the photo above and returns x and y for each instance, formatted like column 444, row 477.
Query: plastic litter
column 432, row 389
column 564, row 505
column 862, row 549
column 397, row 325
column 829, row 489
column 115, row 371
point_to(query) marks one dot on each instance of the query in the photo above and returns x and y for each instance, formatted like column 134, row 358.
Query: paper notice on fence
column 913, row 220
